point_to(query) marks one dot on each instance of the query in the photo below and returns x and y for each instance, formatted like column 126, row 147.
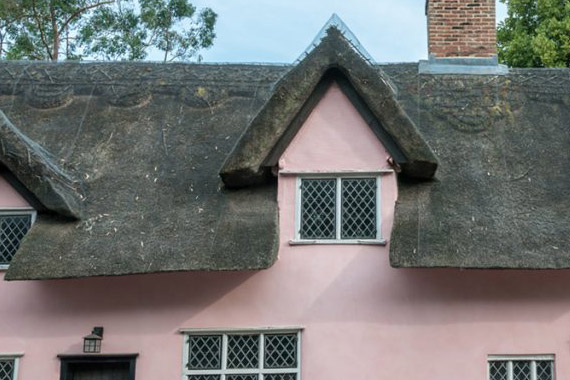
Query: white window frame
column 18, row 211
column 513, row 358
column 16, row 358
column 248, row 331
column 339, row 176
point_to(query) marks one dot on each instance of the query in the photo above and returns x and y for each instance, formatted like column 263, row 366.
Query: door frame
column 68, row 360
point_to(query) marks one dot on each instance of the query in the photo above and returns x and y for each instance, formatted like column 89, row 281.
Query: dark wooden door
column 100, row 371
column 98, row 367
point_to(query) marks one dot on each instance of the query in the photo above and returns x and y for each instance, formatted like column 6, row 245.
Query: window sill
column 4, row 267
column 381, row 242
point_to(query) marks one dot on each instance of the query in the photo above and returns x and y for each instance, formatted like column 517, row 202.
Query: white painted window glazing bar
column 16, row 366
column 338, row 208
column 378, row 204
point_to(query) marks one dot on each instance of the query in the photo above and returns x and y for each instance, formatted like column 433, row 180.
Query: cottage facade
column 330, row 219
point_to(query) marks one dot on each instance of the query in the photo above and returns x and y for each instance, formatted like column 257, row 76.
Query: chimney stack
column 461, row 28
column 462, row 37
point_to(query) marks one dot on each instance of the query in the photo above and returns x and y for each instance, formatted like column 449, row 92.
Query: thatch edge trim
column 34, row 167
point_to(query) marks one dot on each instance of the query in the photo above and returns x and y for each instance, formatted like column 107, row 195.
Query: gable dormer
column 295, row 95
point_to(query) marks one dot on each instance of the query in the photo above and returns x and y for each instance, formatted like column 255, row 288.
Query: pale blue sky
column 280, row 30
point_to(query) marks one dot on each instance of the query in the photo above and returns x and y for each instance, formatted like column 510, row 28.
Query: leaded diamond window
column 521, row 368
column 13, row 228
column 243, row 351
column 358, row 208
column 338, row 209
column 271, row 355
column 205, row 352
column 280, row 351
column 318, row 209
column 7, row 369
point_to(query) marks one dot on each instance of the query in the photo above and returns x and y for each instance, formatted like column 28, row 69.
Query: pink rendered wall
column 362, row 319
column 10, row 198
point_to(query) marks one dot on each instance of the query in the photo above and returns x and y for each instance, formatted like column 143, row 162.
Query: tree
column 171, row 26
column 536, row 33
column 108, row 29
column 9, row 14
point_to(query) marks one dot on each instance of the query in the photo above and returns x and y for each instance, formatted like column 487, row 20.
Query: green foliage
column 172, row 26
column 103, row 29
column 536, row 33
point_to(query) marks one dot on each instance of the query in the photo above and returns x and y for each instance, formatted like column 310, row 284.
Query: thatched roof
column 501, row 196
column 149, row 141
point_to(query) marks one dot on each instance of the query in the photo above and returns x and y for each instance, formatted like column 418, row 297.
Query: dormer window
column 14, row 225
column 338, row 210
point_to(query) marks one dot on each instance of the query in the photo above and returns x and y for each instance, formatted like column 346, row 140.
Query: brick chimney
column 461, row 29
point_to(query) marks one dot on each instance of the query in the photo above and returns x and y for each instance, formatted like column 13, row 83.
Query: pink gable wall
column 362, row 319
column 9, row 197
column 334, row 137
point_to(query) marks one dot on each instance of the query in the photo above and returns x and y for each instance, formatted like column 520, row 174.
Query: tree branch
column 81, row 10
column 42, row 34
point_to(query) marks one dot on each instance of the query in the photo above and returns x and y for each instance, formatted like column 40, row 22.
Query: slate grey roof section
column 501, row 198
column 35, row 168
column 148, row 141
column 250, row 161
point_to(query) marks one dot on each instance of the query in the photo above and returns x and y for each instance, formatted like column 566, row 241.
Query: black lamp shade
column 92, row 344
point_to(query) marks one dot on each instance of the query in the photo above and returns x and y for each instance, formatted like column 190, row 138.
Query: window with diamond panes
column 7, row 369
column 318, row 209
column 13, row 228
column 242, row 356
column 339, row 209
column 521, row 368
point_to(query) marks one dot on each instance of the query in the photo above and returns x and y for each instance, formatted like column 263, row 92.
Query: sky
column 278, row 31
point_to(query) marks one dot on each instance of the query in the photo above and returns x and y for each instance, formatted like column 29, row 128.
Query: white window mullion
column 338, row 207
column 298, row 355
column 224, row 355
column 533, row 370
column 378, row 208
column 510, row 370
column 261, row 355
column 16, row 368
column 298, row 202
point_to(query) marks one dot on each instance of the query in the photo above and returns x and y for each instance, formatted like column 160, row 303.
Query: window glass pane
column 358, row 208
column 243, row 351
column 281, row 351
column 521, row 370
column 12, row 230
column 281, row 376
column 241, row 377
column 318, row 199
column 544, row 370
column 203, row 377
column 6, row 369
column 498, row 370
column 205, row 352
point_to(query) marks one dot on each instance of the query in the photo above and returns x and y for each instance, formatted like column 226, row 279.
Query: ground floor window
column 8, row 367
column 539, row 367
column 269, row 354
